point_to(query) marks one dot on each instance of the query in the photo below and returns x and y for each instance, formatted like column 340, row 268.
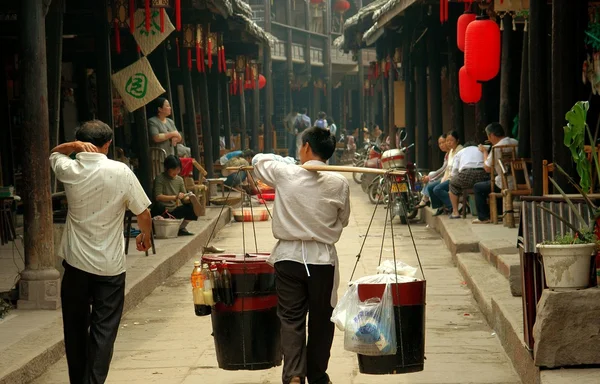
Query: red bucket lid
column 404, row 294
column 253, row 263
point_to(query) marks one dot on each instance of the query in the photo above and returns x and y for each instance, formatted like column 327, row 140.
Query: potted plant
column 567, row 258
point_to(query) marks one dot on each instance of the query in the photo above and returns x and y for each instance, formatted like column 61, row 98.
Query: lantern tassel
column 147, row 6
column 209, row 53
column 223, row 60
column 241, row 83
column 131, row 16
column 138, row 48
column 441, row 11
column 202, row 66
column 502, row 23
column 117, row 37
column 178, row 14
column 178, row 56
column 189, row 59
column 162, row 20
column 198, row 58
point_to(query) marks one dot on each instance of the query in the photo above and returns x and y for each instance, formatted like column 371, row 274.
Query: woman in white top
column 468, row 169
column 440, row 198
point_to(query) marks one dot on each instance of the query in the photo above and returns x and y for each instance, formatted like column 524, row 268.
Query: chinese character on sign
column 154, row 26
column 137, row 85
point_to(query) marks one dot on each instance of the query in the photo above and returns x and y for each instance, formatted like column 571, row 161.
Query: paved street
column 162, row 341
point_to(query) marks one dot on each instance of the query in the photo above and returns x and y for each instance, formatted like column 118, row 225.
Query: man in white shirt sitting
column 482, row 190
column 99, row 191
column 311, row 209
column 466, row 172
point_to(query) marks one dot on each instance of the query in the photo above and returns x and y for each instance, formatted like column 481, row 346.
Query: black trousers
column 298, row 294
column 184, row 211
column 92, row 306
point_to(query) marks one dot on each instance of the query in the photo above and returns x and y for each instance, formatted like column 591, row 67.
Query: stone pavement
column 162, row 341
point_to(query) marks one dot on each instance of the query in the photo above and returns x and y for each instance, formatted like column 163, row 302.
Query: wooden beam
column 255, row 114
column 190, row 129
column 242, row 116
column 506, row 74
column 422, row 143
column 202, row 84
column 268, row 94
column 103, row 67
column 524, row 150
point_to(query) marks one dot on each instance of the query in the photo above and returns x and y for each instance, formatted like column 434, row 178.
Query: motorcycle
column 373, row 161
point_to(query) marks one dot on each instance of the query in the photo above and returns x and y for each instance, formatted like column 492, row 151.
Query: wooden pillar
column 435, row 89
column 409, row 89
column 255, row 109
column 391, row 98
column 384, row 106
column 361, row 93
column 288, row 54
column 506, row 75
column 104, row 68
column 167, row 74
column 190, row 129
column 524, row 121
column 54, row 48
column 455, row 62
column 422, row 143
column 226, row 110
column 243, row 126
column 328, row 65
column 39, row 287
column 564, row 87
column 214, row 103
column 141, row 124
column 6, row 147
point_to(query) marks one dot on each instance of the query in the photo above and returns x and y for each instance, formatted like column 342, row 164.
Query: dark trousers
column 184, row 211
column 482, row 191
column 298, row 294
column 90, row 333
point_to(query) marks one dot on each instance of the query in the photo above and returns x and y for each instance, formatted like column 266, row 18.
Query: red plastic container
column 247, row 334
column 409, row 311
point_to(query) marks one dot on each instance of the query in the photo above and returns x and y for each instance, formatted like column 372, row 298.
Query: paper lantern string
column 162, row 20
column 148, row 14
column 117, row 36
column 178, row 14
column 131, row 16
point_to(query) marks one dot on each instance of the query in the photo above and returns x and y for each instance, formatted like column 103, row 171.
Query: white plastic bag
column 338, row 317
column 402, row 269
column 370, row 327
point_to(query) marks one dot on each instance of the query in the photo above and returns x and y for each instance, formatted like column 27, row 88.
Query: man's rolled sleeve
column 137, row 201
column 61, row 166
column 344, row 213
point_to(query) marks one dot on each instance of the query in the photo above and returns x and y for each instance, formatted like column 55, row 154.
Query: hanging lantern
column 118, row 16
column 341, row 6
column 131, row 16
column 482, row 49
column 262, row 81
column 189, row 42
column 469, row 89
column 463, row 22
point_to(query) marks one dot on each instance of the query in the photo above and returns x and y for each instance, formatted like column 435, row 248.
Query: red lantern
column 262, row 81
column 470, row 89
column 482, row 49
column 341, row 6
column 463, row 22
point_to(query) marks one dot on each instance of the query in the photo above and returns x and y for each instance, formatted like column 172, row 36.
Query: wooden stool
column 128, row 221
column 7, row 226
column 214, row 183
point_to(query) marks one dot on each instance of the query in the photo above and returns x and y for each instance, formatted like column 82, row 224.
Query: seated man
column 235, row 159
column 171, row 198
column 466, row 172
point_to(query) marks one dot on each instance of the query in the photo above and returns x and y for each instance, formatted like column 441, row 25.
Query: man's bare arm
column 143, row 240
column 74, row 146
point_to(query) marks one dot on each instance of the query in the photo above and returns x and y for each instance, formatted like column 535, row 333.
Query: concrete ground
column 162, row 341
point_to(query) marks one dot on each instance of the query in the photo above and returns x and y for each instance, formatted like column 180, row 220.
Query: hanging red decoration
column 178, row 14
column 469, row 89
column 241, row 84
column 162, row 20
column 482, row 49
column 178, row 56
column 376, row 70
column 138, row 48
column 209, row 50
column 189, row 58
column 131, row 16
column 223, row 60
column 341, row 6
column 463, row 22
column 117, row 37
column 262, row 81
column 147, row 14
column 199, row 58
column 388, row 67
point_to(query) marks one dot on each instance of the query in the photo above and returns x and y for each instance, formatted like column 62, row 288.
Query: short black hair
column 321, row 141
column 95, row 132
column 330, row 121
column 248, row 153
column 322, row 115
column 172, row 162
column 304, row 111
column 495, row 129
column 454, row 134
column 159, row 103
column 443, row 136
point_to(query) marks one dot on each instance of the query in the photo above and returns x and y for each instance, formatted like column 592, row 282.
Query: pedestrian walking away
column 99, row 191
column 310, row 212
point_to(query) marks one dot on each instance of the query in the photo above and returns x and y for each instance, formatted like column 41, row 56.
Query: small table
column 212, row 183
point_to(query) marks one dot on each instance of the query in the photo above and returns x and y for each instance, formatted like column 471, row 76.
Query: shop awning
column 382, row 16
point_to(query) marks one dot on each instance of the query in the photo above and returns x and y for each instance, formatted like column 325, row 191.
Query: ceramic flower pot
column 567, row 267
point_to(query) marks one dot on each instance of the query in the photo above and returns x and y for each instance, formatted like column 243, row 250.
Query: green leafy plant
column 575, row 132
column 569, row 239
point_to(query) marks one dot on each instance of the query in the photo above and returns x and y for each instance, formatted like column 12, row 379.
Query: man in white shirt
column 467, row 170
column 99, row 191
column 482, row 190
column 311, row 209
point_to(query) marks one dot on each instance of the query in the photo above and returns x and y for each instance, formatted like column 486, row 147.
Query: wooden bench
column 521, row 187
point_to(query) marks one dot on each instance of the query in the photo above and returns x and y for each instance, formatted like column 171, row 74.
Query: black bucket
column 247, row 334
column 409, row 311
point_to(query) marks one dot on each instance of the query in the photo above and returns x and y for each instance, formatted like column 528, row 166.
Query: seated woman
column 466, row 172
column 162, row 130
column 434, row 178
column 235, row 159
column 171, row 199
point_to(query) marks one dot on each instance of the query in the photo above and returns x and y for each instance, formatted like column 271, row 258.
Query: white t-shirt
column 467, row 158
column 99, row 191
column 497, row 155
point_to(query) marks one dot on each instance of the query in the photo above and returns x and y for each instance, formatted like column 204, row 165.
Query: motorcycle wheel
column 375, row 193
column 356, row 175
